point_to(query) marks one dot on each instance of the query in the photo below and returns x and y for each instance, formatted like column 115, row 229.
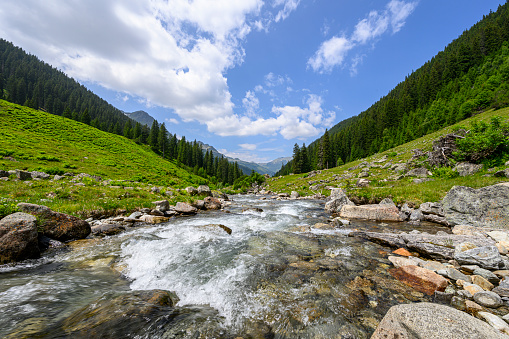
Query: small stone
column 488, row 275
column 473, row 288
column 488, row 299
column 469, row 268
column 464, row 294
column 495, row 321
column 454, row 274
column 432, row 265
column 400, row 261
column 481, row 282
column 419, row 278
column 402, row 252
column 501, row 248
column 473, row 308
column 501, row 273
column 458, row 303
column 442, row 297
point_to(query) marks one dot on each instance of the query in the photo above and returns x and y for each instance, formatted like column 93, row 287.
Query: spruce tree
column 296, row 160
column 162, row 140
column 153, row 135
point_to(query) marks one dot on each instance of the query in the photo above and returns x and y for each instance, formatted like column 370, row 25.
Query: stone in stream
column 483, row 207
column 486, row 257
column 18, row 238
column 420, row 279
column 338, row 199
column 211, row 203
column 55, row 225
column 107, row 229
column 428, row 320
column 371, row 212
column 153, row 219
column 185, row 208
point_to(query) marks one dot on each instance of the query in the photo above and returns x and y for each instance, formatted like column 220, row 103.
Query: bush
column 7, row 206
column 445, row 172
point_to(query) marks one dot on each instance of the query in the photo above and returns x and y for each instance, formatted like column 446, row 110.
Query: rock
column 502, row 173
column 39, row 175
column 432, row 265
column 488, row 275
column 162, row 205
column 488, row 299
column 362, row 182
column 135, row 215
column 429, row 320
column 483, row 207
column 472, row 307
column 501, row 248
column 416, row 215
column 431, row 250
column 155, row 190
column 107, row 229
column 432, row 208
column 466, row 168
column 386, row 239
column 371, row 212
column 501, row 273
column 499, row 235
column 204, row 190
column 420, row 279
column 485, row 257
column 18, row 238
column 191, row 190
column 387, row 201
column 199, row 204
column 338, row 199
column 402, row 167
column 156, row 212
column 294, row 195
column 442, row 297
column 472, row 288
column 23, row 175
column 498, row 323
column 399, row 261
column 211, row 203
column 322, row 226
column 153, row 219
column 454, row 274
column 402, row 252
column 420, row 172
column 55, row 225
column 185, row 208
column 468, row 230
column 222, row 227
column 481, row 282
column 464, row 294
column 4, row 174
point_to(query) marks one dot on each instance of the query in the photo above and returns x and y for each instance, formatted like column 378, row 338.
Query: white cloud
column 251, row 104
column 249, row 147
column 172, row 121
column 289, row 6
column 333, row 52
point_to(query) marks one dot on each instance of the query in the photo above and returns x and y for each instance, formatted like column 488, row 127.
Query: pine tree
column 162, row 139
column 153, row 135
column 85, row 117
column 296, row 160
column 128, row 130
column 304, row 160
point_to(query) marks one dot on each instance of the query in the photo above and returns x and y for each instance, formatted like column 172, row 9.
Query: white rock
column 495, row 321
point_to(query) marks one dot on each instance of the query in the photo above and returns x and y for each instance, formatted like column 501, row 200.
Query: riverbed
column 274, row 276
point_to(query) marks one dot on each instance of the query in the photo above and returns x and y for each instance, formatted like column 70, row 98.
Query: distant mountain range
column 142, row 117
column 263, row 168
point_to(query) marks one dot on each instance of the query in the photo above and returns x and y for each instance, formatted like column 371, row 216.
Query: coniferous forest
column 469, row 76
column 27, row 81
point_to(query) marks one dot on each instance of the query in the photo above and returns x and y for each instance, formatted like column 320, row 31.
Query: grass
column 34, row 140
column 403, row 190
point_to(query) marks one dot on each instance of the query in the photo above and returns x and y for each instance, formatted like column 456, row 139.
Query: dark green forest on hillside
column 469, row 76
column 26, row 80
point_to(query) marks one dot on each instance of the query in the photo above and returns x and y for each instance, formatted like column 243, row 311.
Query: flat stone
column 429, row 320
column 403, row 252
column 371, row 212
column 420, row 279
column 498, row 323
column 488, row 299
column 472, row 288
column 400, row 261
column 472, row 307
column 486, row 257
column 454, row 274
column 488, row 275
column 481, row 282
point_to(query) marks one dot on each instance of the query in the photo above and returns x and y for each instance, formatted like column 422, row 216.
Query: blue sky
column 250, row 77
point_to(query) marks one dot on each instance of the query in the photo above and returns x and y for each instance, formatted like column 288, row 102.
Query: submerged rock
column 421, row 279
column 428, row 320
column 18, row 238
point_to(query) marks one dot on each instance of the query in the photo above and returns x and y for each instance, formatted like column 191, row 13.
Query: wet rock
column 162, row 205
column 485, row 257
column 55, row 225
column 420, row 279
column 107, row 229
column 185, row 208
column 371, row 212
column 18, row 238
column 483, row 207
column 322, row 226
column 387, row 239
column 199, row 204
column 431, row 250
column 498, row 323
column 219, row 226
column 338, row 199
column 428, row 320
column 466, row 168
column 153, row 219
column 488, row 299
column 211, row 203
column 204, row 189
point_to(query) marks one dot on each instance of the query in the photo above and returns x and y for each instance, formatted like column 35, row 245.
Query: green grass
column 403, row 190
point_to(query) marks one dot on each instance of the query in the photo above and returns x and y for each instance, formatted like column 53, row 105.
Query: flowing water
column 273, row 277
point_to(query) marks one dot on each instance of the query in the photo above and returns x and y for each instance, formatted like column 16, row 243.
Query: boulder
column 199, row 204
column 18, row 238
column 420, row 172
column 162, row 205
column 185, row 208
column 371, row 212
column 55, row 225
column 483, row 207
column 23, row 175
column 502, row 173
column 191, row 190
column 294, row 195
column 486, row 257
column 154, row 219
column 338, row 199
column 211, row 203
column 204, row 190
column 429, row 320
column 421, row 279
column 107, row 229
column 466, row 168
column 39, row 175
column 498, row 323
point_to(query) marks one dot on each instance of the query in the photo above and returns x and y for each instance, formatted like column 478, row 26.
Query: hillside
column 142, row 117
column 385, row 182
column 31, row 139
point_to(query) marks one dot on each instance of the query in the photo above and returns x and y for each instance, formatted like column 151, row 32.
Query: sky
column 249, row 77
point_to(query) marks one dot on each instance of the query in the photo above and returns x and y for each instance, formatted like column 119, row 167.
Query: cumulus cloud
column 251, row 104
column 333, row 51
column 172, row 121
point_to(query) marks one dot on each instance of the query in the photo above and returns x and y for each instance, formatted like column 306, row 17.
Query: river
column 274, row 276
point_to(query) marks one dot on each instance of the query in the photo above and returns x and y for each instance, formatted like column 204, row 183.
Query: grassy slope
column 31, row 136
column 403, row 190
column 38, row 140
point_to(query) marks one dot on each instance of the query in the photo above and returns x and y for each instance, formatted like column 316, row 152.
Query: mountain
column 275, row 165
column 142, row 117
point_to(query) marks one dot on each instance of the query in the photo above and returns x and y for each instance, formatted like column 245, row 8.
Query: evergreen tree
column 128, row 130
column 85, row 117
column 296, row 160
column 154, row 135
column 162, row 139
column 304, row 160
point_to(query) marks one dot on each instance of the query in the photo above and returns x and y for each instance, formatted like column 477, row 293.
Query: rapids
column 274, row 276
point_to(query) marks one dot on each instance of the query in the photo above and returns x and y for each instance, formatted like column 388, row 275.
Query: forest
column 469, row 76
column 26, row 80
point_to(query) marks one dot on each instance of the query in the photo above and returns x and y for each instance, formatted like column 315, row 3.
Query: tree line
column 469, row 76
column 27, row 81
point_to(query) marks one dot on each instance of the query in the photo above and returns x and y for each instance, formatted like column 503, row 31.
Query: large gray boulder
column 338, row 199
column 55, row 225
column 23, row 175
column 483, row 207
column 466, row 168
column 486, row 257
column 432, row 321
column 204, row 189
column 18, row 238
column 185, row 208
column 371, row 212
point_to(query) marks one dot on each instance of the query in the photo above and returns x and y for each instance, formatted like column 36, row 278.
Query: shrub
column 445, row 172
